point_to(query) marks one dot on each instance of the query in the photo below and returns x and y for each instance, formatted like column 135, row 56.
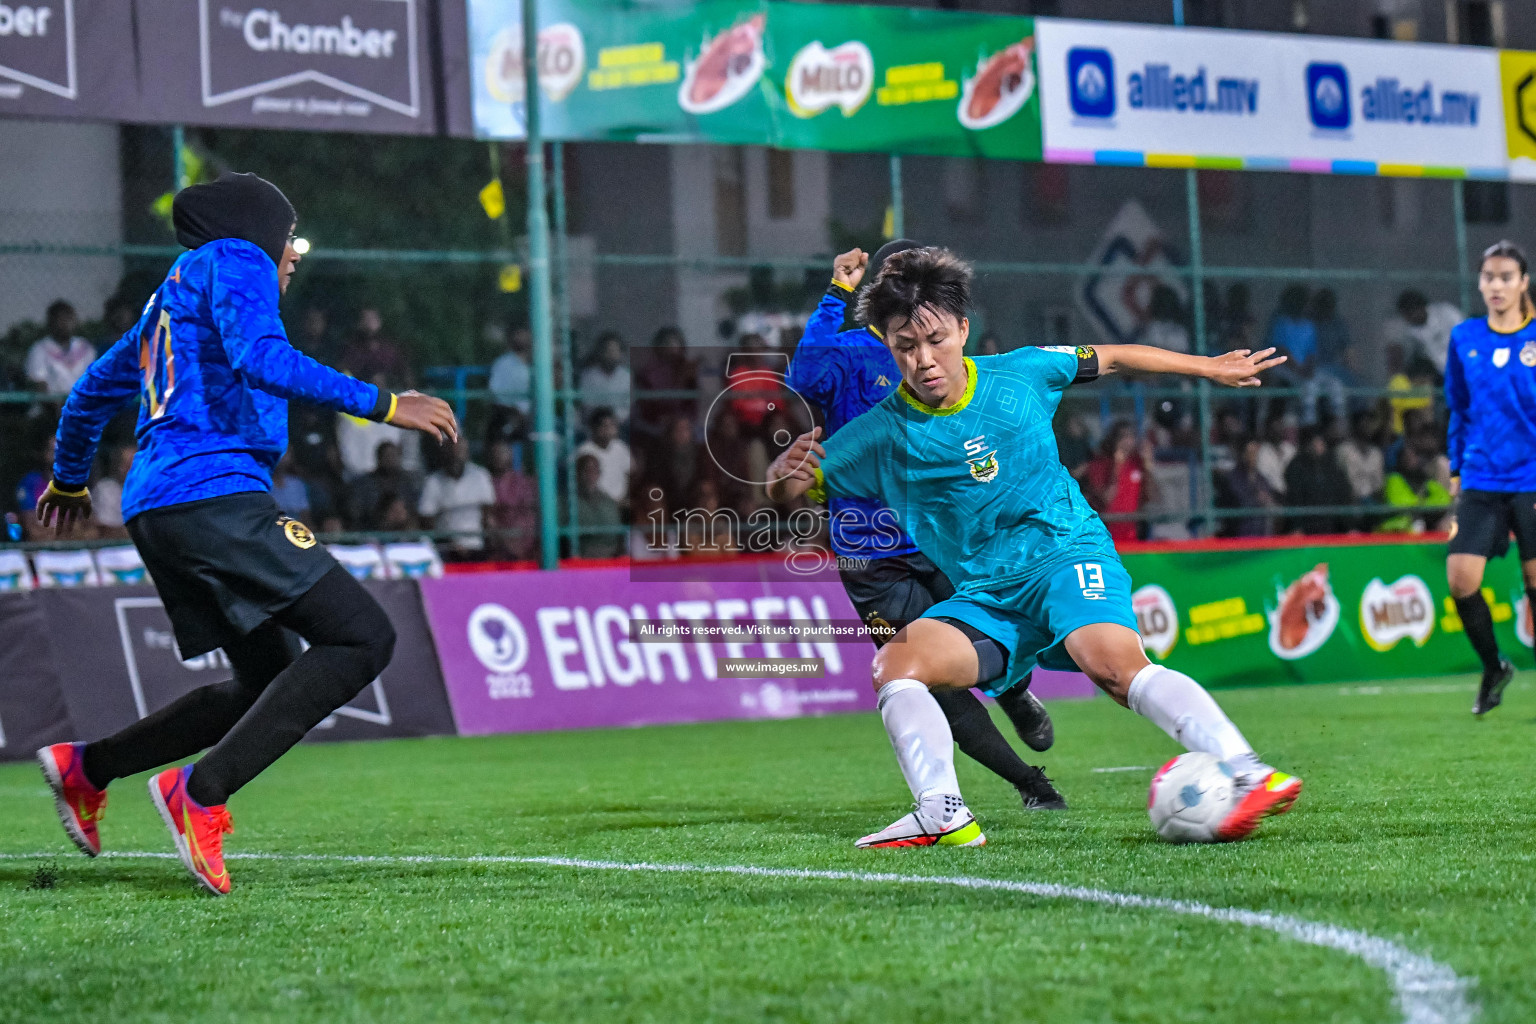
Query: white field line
column 1387, row 691
column 1425, row 991
column 1123, row 768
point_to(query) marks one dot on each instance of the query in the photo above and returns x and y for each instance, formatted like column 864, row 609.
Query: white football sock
column 1181, row 708
column 919, row 732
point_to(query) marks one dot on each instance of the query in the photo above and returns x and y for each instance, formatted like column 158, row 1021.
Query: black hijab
column 884, row 253
column 240, row 206
column 872, row 271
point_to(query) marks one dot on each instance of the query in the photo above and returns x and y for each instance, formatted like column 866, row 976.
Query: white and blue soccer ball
column 1191, row 796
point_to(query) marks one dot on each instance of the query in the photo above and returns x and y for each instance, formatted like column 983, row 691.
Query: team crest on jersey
column 1528, row 354
column 299, row 535
column 983, row 463
column 1500, row 357
column 882, row 381
column 984, row 469
column 879, row 628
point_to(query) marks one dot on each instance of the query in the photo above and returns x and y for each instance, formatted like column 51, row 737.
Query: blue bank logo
column 1091, row 81
column 1328, row 96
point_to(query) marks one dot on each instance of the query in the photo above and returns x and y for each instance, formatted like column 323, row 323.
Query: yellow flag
column 888, row 229
column 493, row 200
column 511, row 279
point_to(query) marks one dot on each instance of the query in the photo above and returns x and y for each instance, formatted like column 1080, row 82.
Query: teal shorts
column 1032, row 619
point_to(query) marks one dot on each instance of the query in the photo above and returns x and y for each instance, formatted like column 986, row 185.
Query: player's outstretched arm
column 794, row 471
column 109, row 384
column 1236, row 369
column 416, row 411
column 244, row 302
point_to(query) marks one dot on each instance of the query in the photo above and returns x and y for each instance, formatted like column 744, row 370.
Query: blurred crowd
column 664, row 449
column 1340, row 455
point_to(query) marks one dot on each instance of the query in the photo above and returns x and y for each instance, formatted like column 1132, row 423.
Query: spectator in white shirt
column 107, row 495
column 1362, row 459
column 358, row 441
column 59, row 359
column 1277, row 451
column 1165, row 326
column 455, row 499
column 612, row 455
column 511, row 377
column 511, row 387
column 607, row 382
column 1422, row 328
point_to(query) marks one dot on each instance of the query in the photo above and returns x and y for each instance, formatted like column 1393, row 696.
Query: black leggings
column 276, row 696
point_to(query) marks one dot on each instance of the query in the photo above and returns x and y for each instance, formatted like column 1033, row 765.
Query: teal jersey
column 978, row 484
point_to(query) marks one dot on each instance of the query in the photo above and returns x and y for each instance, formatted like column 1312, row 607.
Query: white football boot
column 937, row 821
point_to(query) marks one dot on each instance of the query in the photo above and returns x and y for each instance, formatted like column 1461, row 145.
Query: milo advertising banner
column 1314, row 614
column 779, row 74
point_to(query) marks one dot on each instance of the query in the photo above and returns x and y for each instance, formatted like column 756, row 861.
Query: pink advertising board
column 530, row 651
column 534, row 651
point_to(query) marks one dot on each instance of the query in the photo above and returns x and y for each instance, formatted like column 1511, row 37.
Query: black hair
column 1325, row 304
column 1421, row 366
column 1508, row 250
column 1413, row 299
column 1293, row 301
column 599, row 414
column 914, row 285
column 58, row 306
column 1111, row 439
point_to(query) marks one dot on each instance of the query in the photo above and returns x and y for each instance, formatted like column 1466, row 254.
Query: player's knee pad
column 991, row 656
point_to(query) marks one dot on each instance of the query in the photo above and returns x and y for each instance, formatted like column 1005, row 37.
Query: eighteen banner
column 780, row 74
column 524, row 652
column 1315, row 614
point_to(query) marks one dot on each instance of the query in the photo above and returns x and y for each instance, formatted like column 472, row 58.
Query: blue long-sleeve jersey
column 848, row 373
column 213, row 369
column 1490, row 389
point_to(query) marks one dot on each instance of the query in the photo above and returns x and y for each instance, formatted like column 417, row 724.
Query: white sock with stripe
column 919, row 732
column 1180, row 707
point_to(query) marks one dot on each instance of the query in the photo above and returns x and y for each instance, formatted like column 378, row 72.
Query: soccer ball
column 1191, row 796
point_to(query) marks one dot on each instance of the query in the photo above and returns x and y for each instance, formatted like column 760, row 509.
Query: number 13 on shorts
column 1090, row 577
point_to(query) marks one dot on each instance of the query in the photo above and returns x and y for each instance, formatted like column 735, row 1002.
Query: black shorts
column 890, row 592
column 1484, row 520
column 225, row 565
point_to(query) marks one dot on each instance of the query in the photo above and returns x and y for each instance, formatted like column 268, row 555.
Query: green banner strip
column 1244, row 616
column 794, row 76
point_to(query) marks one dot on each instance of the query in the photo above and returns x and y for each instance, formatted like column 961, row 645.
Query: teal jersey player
column 964, row 454
column 979, row 486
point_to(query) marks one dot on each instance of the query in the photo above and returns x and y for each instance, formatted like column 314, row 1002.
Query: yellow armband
column 818, row 491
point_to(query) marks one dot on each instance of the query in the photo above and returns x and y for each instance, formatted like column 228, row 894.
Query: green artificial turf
column 1416, row 826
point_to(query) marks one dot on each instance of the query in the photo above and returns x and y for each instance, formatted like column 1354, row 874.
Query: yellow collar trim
column 872, row 329
column 1515, row 330
column 945, row 410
